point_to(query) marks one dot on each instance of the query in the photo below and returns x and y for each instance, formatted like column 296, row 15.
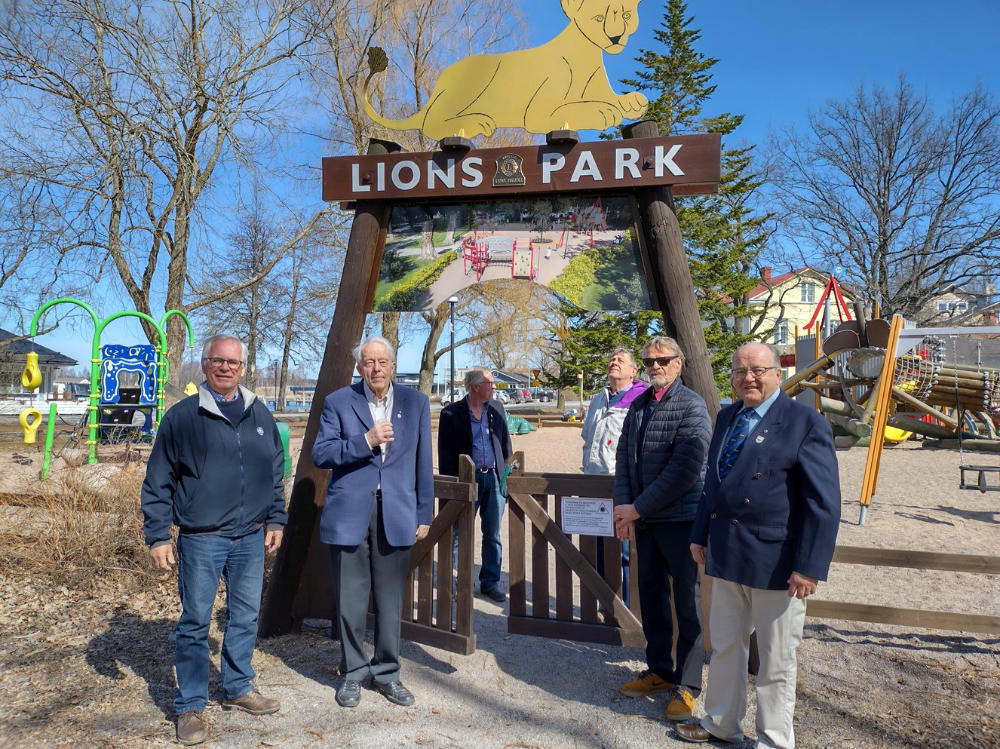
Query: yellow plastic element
column 895, row 436
column 31, row 377
column 560, row 85
column 30, row 427
column 190, row 389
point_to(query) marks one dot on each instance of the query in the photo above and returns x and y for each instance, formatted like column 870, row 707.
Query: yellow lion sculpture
column 560, row 84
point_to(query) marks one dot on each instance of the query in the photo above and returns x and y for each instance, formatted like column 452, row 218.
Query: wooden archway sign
column 298, row 587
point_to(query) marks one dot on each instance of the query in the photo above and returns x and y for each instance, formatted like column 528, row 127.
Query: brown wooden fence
column 922, row 560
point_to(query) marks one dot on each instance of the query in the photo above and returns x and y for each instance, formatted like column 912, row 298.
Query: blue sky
column 779, row 60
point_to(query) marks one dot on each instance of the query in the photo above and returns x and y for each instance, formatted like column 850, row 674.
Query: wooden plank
column 922, row 560
column 612, row 550
column 576, row 631
column 539, row 567
column 588, row 603
column 564, row 578
column 588, row 577
column 445, row 573
column 862, row 612
column 425, row 591
column 466, row 538
column 564, row 486
column 516, row 563
column 437, row 638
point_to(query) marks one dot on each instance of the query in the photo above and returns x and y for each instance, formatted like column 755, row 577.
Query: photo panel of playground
column 581, row 246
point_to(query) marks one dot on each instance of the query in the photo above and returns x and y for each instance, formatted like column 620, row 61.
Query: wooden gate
column 437, row 602
column 572, row 613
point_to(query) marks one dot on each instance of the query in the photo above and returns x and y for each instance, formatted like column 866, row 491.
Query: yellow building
column 788, row 301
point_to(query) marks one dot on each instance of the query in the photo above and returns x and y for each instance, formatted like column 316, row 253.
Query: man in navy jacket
column 765, row 530
column 477, row 426
column 376, row 438
column 215, row 472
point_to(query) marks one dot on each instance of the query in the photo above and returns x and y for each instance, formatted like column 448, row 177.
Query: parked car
column 544, row 395
column 459, row 394
column 525, row 394
column 501, row 395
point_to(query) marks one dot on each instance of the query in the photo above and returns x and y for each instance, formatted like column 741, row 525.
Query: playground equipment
column 479, row 254
column 881, row 385
column 148, row 363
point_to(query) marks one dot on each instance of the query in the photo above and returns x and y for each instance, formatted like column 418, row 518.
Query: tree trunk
column 430, row 355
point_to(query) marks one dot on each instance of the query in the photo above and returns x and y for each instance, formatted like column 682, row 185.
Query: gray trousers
column 373, row 566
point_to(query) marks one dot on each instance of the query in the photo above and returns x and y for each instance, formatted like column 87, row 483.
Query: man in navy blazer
column 376, row 438
column 765, row 530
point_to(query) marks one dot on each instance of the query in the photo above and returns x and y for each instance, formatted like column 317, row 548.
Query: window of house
column 808, row 291
column 955, row 305
column 781, row 333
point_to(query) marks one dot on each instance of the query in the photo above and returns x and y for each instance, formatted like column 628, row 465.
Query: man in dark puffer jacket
column 659, row 474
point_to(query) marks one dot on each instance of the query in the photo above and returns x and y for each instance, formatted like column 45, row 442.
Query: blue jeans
column 201, row 561
column 490, row 506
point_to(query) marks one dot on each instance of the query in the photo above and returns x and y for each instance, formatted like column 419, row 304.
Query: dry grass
column 86, row 521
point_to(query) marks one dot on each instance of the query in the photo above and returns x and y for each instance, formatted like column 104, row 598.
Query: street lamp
column 452, row 301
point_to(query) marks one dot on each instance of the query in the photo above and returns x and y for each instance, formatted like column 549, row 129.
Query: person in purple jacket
column 602, row 426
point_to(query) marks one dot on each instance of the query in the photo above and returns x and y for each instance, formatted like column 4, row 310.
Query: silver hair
column 623, row 350
column 373, row 339
column 474, row 376
column 775, row 354
column 209, row 342
column 662, row 341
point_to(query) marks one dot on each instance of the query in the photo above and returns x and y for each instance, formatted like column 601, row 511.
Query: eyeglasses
column 661, row 360
column 757, row 372
column 488, row 383
column 216, row 362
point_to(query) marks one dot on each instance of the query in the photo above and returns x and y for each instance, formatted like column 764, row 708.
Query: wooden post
column 357, row 293
column 669, row 277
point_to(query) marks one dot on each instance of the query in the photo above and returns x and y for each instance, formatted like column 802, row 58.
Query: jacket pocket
column 772, row 532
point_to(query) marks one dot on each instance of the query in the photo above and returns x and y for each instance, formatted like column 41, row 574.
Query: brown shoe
column 645, row 684
column 253, row 702
column 191, row 728
column 694, row 733
column 681, row 704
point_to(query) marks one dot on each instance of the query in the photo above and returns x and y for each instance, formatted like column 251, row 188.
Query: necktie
column 737, row 436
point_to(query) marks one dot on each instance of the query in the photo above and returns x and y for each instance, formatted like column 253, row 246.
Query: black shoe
column 349, row 693
column 494, row 594
column 395, row 692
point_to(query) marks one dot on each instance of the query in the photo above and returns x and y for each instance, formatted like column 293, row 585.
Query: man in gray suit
column 376, row 438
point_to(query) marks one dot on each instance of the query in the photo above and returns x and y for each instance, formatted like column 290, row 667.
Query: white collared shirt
column 381, row 409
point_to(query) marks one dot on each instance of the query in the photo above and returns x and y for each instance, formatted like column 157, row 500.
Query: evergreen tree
column 722, row 233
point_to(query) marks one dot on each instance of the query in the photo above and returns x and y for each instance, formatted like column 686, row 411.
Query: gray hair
column 373, row 339
column 474, row 376
column 775, row 354
column 662, row 341
column 209, row 342
column 623, row 350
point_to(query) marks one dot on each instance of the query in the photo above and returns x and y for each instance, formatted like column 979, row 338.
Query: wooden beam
column 576, row 631
column 862, row 612
column 365, row 248
column 921, row 560
column 669, row 275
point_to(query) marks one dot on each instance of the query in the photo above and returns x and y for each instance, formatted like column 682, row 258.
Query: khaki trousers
column 737, row 610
